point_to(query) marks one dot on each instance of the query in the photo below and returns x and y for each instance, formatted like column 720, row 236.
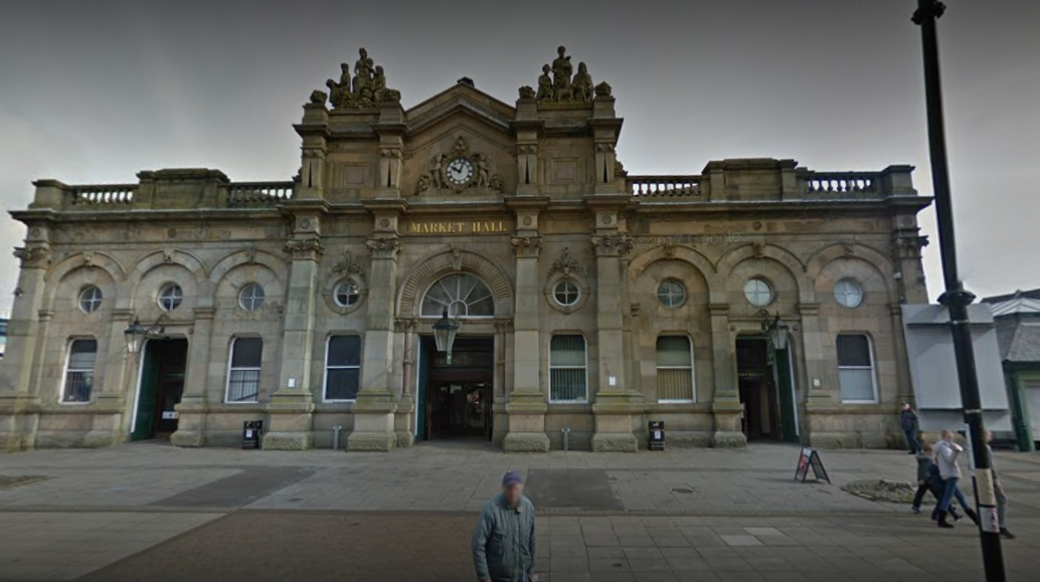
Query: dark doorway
column 456, row 397
column 758, row 392
column 162, row 383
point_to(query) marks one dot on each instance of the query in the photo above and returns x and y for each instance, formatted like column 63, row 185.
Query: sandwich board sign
column 810, row 458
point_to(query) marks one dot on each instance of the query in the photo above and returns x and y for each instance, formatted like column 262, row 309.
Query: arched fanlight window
column 462, row 295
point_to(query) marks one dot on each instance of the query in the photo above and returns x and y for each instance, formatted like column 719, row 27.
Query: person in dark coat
column 908, row 422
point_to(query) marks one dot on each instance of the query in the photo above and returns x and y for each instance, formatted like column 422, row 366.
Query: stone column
column 110, row 402
column 191, row 424
column 725, row 405
column 375, row 405
column 527, row 403
column 18, row 402
column 404, row 421
column 292, row 404
column 821, row 399
column 615, row 407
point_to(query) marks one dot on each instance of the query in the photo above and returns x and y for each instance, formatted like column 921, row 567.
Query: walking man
column 946, row 453
column 908, row 422
column 503, row 541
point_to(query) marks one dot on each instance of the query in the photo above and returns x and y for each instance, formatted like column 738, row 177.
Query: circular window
column 671, row 293
column 758, row 292
column 566, row 293
column 848, row 293
column 347, row 294
column 251, row 297
column 90, row 299
column 170, row 296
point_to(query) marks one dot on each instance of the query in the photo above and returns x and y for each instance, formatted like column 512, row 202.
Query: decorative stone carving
column 527, row 246
column 304, row 249
column 850, row 248
column 319, row 97
column 603, row 91
column 558, row 82
column 758, row 249
column 669, row 249
column 545, row 85
column 562, row 71
column 567, row 264
column 477, row 165
column 612, row 245
column 365, row 90
column 581, row 86
column 88, row 259
column 909, row 247
column 167, row 255
column 33, row 258
column 619, row 169
column 346, row 265
column 456, row 259
column 251, row 255
column 383, row 247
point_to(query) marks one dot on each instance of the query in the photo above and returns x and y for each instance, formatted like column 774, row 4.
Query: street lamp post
column 955, row 298
column 444, row 334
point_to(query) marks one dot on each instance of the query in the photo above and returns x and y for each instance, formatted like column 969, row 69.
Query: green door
column 788, row 425
column 147, row 395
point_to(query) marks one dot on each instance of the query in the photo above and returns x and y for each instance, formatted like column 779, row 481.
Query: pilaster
column 615, row 407
column 725, row 405
column 18, row 403
column 192, row 410
column 110, row 401
column 290, row 423
column 527, row 403
column 376, row 404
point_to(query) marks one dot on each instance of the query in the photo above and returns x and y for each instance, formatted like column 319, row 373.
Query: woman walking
column 946, row 453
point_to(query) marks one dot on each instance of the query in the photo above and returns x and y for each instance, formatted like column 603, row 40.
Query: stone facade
column 522, row 197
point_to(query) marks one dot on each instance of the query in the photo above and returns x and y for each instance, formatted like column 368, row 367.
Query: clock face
column 460, row 170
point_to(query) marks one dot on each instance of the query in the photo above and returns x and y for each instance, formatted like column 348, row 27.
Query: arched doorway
column 456, row 398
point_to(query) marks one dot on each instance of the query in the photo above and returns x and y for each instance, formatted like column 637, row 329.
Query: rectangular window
column 674, row 369
column 244, row 371
column 342, row 367
column 856, row 369
column 567, row 378
column 79, row 371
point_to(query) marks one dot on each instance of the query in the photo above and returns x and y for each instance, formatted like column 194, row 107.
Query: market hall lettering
column 459, row 227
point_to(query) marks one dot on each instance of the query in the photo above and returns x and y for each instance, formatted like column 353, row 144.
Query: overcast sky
column 95, row 91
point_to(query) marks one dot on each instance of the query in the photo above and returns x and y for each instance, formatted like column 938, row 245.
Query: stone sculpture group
column 560, row 84
column 366, row 89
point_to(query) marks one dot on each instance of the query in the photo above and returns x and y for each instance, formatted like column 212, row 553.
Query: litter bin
column 656, row 435
column 251, row 431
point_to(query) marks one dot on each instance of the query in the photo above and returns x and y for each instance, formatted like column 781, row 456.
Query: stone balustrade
column 103, row 196
column 258, row 194
column 663, row 186
column 840, row 183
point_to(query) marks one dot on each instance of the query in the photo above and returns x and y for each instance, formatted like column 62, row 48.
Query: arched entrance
column 456, row 398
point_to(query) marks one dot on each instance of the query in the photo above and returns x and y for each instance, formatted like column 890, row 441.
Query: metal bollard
column 335, row 436
column 566, row 438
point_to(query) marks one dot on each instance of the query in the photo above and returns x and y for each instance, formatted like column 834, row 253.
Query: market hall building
column 587, row 299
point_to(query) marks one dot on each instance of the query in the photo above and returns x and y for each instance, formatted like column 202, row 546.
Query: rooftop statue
column 562, row 71
column 559, row 84
column 581, row 86
column 365, row 90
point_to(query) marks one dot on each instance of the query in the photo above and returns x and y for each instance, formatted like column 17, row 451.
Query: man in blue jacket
column 503, row 541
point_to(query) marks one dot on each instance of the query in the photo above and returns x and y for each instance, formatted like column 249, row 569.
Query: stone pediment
column 465, row 99
column 459, row 157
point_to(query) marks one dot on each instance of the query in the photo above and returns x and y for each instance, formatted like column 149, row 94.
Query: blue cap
column 512, row 477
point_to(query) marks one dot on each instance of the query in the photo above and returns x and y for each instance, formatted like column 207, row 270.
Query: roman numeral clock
column 459, row 170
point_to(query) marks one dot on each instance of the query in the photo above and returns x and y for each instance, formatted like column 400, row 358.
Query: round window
column 671, row 293
column 251, row 297
column 848, row 293
column 347, row 294
column 89, row 299
column 566, row 293
column 170, row 296
column 758, row 292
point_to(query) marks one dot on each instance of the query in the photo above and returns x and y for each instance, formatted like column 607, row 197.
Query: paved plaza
column 149, row 511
